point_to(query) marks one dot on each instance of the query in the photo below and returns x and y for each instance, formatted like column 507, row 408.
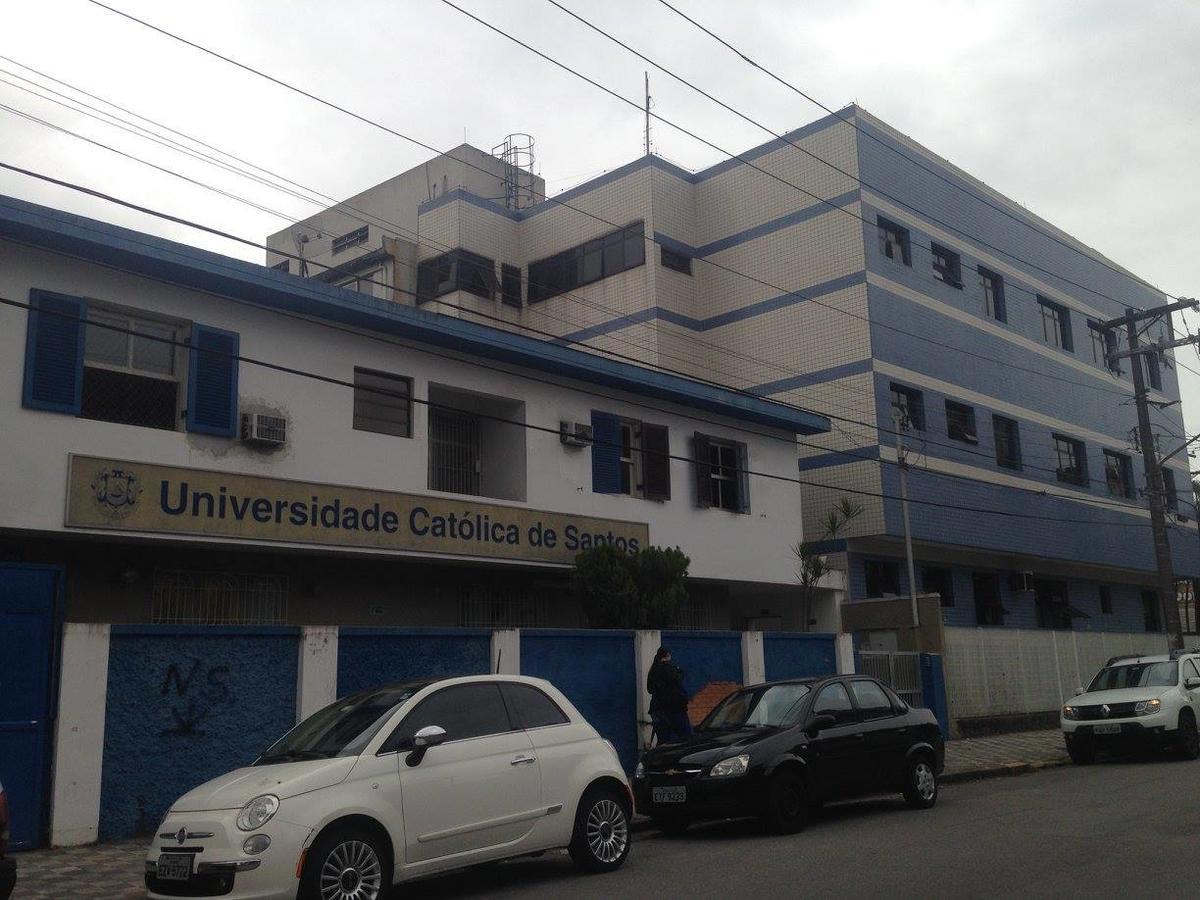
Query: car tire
column 672, row 824
column 1081, row 754
column 602, row 836
column 1188, row 739
column 352, row 853
column 920, row 782
column 786, row 803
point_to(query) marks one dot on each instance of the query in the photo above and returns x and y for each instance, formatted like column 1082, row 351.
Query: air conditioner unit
column 574, row 434
column 264, row 429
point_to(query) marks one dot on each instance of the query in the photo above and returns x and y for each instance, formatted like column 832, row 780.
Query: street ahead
column 1114, row 828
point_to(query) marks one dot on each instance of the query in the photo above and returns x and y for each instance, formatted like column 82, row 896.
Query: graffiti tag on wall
column 195, row 696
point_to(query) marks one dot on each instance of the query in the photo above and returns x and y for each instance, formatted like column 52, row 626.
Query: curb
column 1003, row 771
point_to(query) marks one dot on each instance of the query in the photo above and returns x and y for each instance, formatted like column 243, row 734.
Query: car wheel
column 1189, row 735
column 346, row 863
column 1081, row 754
column 786, row 803
column 600, row 842
column 672, row 824
column 921, row 785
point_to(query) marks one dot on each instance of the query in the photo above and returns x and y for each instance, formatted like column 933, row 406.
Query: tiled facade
column 791, row 296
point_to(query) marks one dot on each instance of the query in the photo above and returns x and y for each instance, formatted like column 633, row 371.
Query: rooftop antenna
column 647, row 74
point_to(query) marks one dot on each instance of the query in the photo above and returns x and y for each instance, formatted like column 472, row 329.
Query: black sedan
column 777, row 750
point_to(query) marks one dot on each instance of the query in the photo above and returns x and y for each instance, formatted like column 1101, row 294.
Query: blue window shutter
column 54, row 353
column 606, row 453
column 213, row 382
column 743, row 464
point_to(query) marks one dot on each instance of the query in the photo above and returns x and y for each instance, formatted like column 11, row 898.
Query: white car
column 1137, row 702
column 399, row 782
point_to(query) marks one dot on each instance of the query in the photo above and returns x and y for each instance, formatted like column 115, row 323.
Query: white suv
column 395, row 783
column 1137, row 702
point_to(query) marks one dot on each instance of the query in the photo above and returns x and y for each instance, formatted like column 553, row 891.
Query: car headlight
column 1070, row 712
column 728, row 768
column 640, row 771
column 1147, row 707
column 257, row 812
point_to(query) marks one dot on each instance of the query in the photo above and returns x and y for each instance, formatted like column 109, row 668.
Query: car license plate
column 174, row 866
column 669, row 795
column 1106, row 729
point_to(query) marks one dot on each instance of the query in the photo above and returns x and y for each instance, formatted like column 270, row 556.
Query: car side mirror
column 819, row 723
column 1079, row 690
column 429, row 736
column 1191, row 683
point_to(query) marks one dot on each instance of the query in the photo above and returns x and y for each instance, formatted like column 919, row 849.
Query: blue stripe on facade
column 839, row 458
column 721, row 319
column 154, row 257
column 810, row 378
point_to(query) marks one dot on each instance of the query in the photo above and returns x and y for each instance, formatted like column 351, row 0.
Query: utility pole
column 902, row 459
column 1167, row 596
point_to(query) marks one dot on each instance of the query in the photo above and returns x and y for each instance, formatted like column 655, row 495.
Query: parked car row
column 410, row 779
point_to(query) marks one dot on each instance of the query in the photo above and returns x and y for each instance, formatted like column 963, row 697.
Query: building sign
column 143, row 497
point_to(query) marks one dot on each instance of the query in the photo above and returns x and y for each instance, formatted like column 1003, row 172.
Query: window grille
column 357, row 236
column 484, row 606
column 453, row 451
column 701, row 614
column 130, row 376
column 219, row 598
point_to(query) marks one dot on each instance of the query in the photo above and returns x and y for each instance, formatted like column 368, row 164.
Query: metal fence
column 900, row 670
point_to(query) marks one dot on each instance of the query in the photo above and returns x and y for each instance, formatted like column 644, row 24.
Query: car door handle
column 523, row 760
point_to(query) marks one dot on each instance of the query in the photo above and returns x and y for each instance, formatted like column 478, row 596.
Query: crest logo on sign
column 116, row 491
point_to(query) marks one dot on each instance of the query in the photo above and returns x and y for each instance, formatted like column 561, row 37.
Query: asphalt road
column 1129, row 828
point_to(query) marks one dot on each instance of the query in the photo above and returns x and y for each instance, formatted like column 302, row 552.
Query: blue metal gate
column 28, row 610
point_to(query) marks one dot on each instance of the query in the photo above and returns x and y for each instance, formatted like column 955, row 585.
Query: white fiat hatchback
column 399, row 782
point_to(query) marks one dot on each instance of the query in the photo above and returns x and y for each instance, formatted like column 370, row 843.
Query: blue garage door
column 28, row 600
column 712, row 666
column 368, row 657
column 597, row 672
column 798, row 655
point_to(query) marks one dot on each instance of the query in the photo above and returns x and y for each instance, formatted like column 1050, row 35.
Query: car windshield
column 342, row 728
column 1136, row 675
column 761, row 707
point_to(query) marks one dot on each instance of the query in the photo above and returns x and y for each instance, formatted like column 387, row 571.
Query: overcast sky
column 1088, row 112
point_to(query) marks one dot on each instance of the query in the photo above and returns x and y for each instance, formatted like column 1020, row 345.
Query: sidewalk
column 1005, row 754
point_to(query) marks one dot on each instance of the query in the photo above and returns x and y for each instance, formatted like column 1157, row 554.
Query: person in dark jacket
column 668, row 699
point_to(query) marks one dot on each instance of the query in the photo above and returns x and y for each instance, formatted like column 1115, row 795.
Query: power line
column 928, row 169
column 545, row 429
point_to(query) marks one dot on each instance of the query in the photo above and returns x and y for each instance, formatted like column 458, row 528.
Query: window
column 219, row 598
column 1056, row 324
column 530, row 707
column 1150, row 611
column 947, row 266
column 130, row 378
column 679, row 262
column 1190, row 670
column 382, row 403
column 938, row 581
column 960, row 422
column 349, row 239
column 988, row 610
column 1106, row 606
column 364, row 283
column 630, row 457
column 882, row 577
column 1170, row 497
column 1118, row 474
column 910, row 403
column 1153, row 371
column 1053, row 609
column 721, row 474
column 614, row 252
column 872, row 700
column 894, row 242
column 1072, row 460
column 627, row 459
column 510, row 285
column 458, row 270
column 466, row 711
column 834, row 701
column 453, row 451
column 1007, row 434
column 284, row 265
column 992, row 286
column 491, row 605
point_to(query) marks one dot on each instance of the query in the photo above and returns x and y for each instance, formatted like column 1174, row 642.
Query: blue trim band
column 202, row 270
column 839, row 458
column 810, row 378
column 720, row 319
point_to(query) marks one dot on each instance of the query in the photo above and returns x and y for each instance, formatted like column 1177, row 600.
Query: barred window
column 454, row 461
column 219, row 598
column 130, row 370
column 489, row 606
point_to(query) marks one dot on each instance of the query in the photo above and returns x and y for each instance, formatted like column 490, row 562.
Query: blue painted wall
column 596, row 670
column 186, row 704
column 789, row 655
column 705, row 657
column 372, row 656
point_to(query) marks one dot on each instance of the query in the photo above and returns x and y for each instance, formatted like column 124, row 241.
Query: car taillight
column 3, row 823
